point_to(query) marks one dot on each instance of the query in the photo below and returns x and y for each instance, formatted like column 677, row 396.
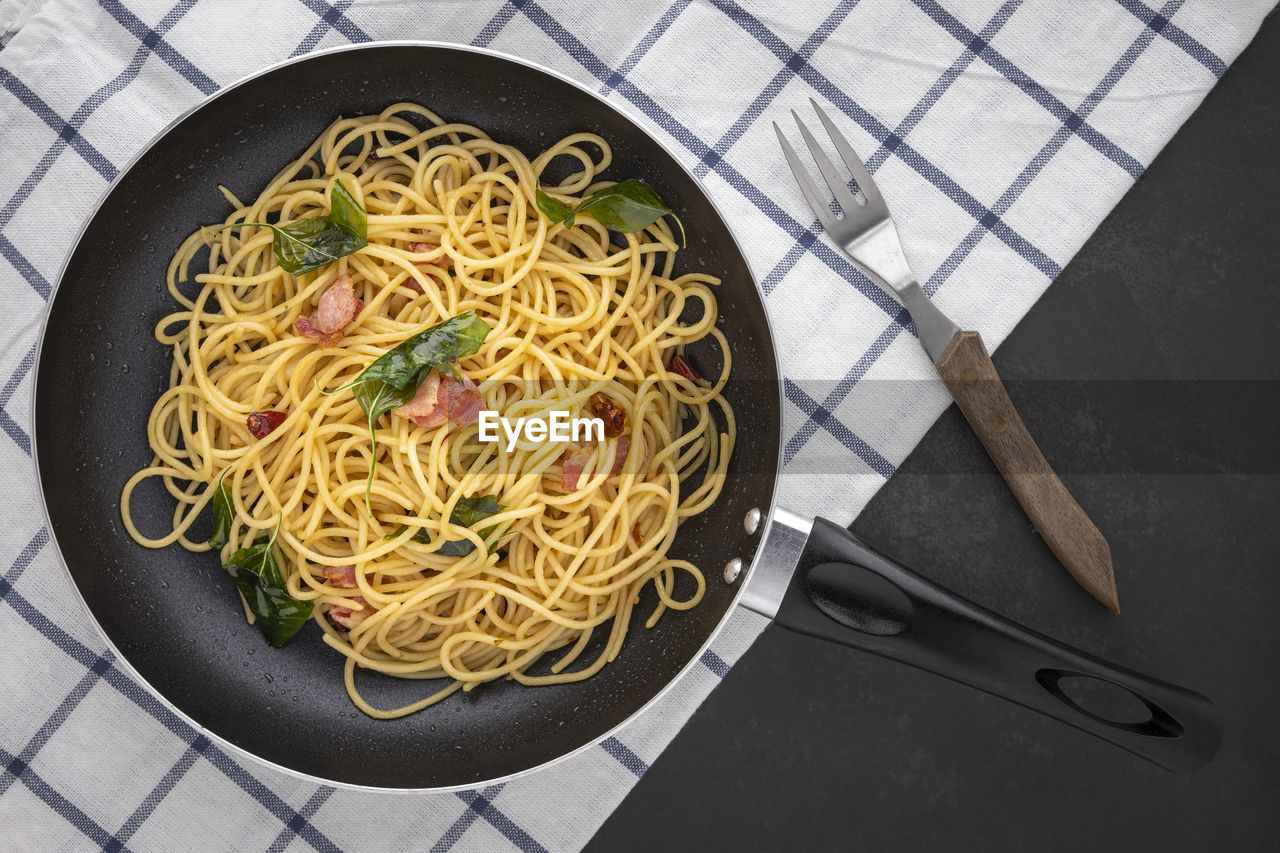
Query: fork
column 864, row 229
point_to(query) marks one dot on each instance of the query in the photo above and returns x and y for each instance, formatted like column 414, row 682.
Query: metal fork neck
column 936, row 330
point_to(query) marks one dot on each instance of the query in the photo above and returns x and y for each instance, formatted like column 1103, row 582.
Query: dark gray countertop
column 1148, row 375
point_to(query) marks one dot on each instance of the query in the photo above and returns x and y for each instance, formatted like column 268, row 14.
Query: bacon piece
column 341, row 576
column 441, row 399
column 615, row 419
column 637, row 534
column 348, row 618
column 337, row 309
column 446, row 262
column 624, row 447
column 261, row 424
column 575, row 460
column 412, row 283
column 465, row 402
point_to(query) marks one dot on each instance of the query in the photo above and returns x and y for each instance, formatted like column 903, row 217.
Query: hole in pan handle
column 844, row 591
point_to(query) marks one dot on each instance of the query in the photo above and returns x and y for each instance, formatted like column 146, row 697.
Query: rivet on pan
column 732, row 569
column 999, row 423
column 752, row 521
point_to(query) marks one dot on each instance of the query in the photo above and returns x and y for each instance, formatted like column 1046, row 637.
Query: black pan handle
column 845, row 592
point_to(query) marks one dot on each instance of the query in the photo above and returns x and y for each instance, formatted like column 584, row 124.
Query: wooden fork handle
column 967, row 370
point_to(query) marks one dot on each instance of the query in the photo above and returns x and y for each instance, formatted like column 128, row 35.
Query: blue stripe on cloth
column 787, row 263
column 299, row 822
column 7, row 423
column 68, row 135
column 818, row 415
column 54, row 722
column 161, row 48
column 28, row 553
column 335, row 16
column 27, row 270
column 1159, row 23
column 823, row 416
column 1006, row 200
column 483, row 806
column 647, row 41
column 495, row 25
column 131, row 690
column 903, row 151
column 789, row 69
column 319, row 31
column 939, row 87
column 60, row 804
column 153, row 799
column 624, row 755
column 882, row 153
column 1015, row 75
column 451, row 835
column 682, row 134
column 46, row 113
column 715, row 663
column 270, row 801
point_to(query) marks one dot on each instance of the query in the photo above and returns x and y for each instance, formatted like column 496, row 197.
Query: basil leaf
column 307, row 244
column 224, row 513
column 466, row 513
column 346, row 213
column 409, row 362
column 629, row 206
column 555, row 210
column 470, row 510
column 257, row 575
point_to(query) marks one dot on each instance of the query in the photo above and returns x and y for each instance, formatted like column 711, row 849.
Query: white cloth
column 1001, row 133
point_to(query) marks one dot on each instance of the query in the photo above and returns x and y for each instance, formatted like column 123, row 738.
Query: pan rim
column 123, row 663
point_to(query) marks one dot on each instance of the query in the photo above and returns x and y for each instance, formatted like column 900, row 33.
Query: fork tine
column 806, row 183
column 849, row 204
column 860, row 174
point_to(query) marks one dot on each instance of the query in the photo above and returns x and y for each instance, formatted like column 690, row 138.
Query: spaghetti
column 573, row 313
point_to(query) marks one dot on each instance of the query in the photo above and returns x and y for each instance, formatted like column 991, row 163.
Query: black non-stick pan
column 173, row 617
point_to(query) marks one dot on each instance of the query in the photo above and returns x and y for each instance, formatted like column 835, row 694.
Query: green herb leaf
column 409, row 362
column 224, row 513
column 467, row 513
column 393, row 379
column 307, row 244
column 346, row 213
column 555, row 210
column 257, row 575
column 629, row 206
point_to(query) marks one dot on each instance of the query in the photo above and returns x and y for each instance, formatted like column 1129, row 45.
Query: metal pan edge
column 123, row 663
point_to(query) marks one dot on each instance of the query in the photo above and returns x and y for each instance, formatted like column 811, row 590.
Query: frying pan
column 173, row 618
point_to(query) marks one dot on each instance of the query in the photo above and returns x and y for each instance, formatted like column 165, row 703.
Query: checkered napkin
column 1001, row 133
